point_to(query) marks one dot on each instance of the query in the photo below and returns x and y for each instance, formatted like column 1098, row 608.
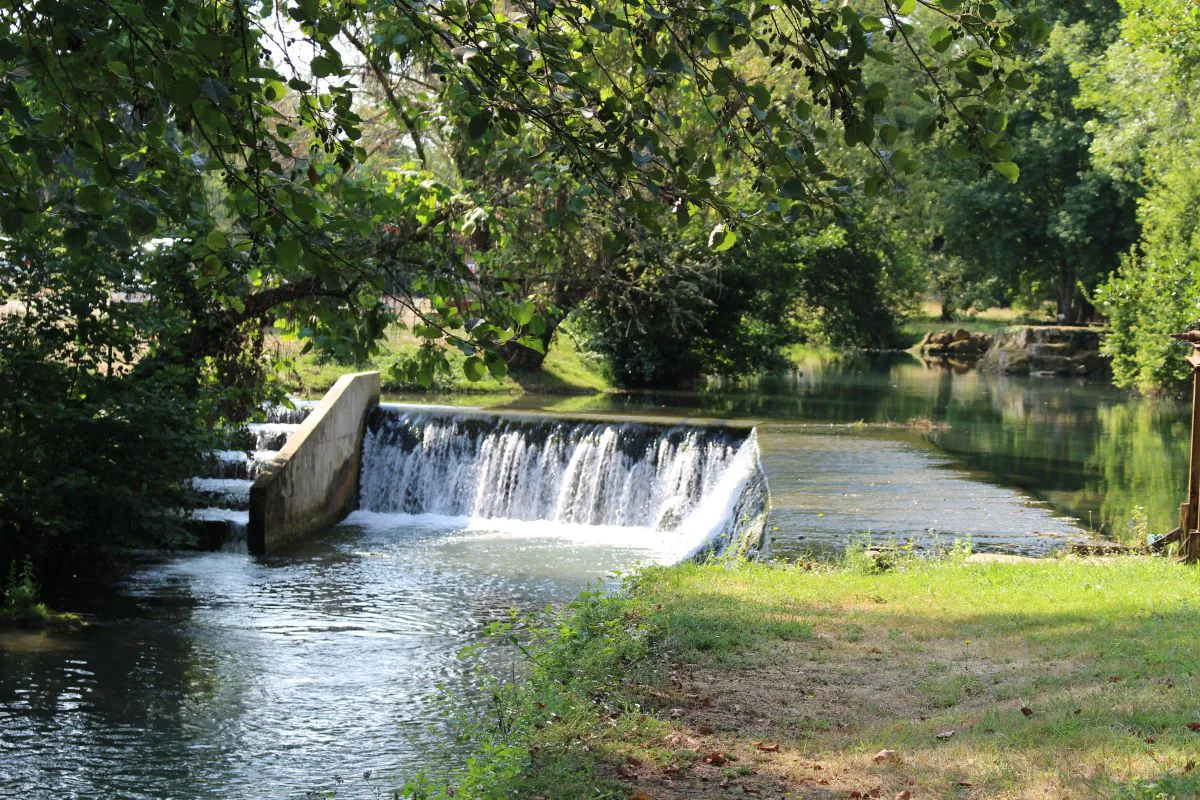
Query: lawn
column 566, row 370
column 1063, row 678
column 990, row 320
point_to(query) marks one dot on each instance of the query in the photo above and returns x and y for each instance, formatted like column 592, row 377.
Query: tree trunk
column 522, row 358
column 947, row 313
column 1067, row 308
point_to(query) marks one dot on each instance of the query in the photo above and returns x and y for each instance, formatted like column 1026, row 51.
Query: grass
column 566, row 370
column 21, row 608
column 1062, row 678
column 986, row 321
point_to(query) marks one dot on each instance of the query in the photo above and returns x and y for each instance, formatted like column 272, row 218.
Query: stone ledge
column 313, row 481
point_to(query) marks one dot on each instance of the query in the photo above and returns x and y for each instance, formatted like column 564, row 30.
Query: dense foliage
column 1143, row 90
column 179, row 177
column 1050, row 238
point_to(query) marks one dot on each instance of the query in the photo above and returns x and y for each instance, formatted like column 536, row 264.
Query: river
column 220, row 676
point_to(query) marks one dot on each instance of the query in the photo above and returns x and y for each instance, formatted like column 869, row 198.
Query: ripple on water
column 233, row 677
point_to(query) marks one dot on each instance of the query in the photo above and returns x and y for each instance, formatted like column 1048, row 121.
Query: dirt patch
column 807, row 722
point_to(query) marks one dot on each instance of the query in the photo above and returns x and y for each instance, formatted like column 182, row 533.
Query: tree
column 232, row 137
column 1142, row 91
column 1053, row 235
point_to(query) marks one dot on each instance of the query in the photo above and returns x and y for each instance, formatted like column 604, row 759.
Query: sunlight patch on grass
column 566, row 370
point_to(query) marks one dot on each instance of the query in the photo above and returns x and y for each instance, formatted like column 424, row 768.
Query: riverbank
column 957, row 679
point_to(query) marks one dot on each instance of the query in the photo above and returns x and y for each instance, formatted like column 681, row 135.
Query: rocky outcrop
column 957, row 344
column 1046, row 350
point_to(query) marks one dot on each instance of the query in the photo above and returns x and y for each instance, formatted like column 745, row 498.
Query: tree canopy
column 178, row 177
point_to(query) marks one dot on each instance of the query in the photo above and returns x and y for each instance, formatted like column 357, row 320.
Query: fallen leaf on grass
column 965, row 784
column 904, row 795
column 1114, row 678
column 886, row 757
column 768, row 747
column 626, row 771
column 706, row 730
column 1188, row 767
column 944, row 735
column 1193, row 726
column 1027, row 711
column 640, row 795
column 671, row 769
column 715, row 758
column 633, row 761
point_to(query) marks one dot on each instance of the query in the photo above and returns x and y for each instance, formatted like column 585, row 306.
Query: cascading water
column 223, row 492
column 699, row 488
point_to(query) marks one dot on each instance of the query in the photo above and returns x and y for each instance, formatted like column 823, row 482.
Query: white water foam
column 673, row 492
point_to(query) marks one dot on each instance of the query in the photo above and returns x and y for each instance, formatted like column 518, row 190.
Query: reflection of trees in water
column 1141, row 459
column 1089, row 449
column 91, row 695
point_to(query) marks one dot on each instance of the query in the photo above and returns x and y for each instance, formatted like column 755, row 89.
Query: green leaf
column 288, row 252
column 1008, row 169
column 324, row 66
column 523, row 313
column 475, row 369
column 497, row 366
column 718, row 42
column 216, row 92
column 479, row 124
column 888, row 134
column 533, row 343
column 793, row 189
column 673, row 63
column 940, row 38
column 721, row 238
column 142, row 221
column 216, row 240
column 1017, row 81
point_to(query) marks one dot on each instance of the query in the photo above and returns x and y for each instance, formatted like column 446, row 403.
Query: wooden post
column 1189, row 537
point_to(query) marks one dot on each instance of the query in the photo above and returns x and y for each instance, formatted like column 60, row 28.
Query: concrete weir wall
column 313, row 482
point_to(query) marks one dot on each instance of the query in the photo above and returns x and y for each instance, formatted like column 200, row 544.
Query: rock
column 965, row 347
column 1046, row 350
column 886, row 757
column 960, row 344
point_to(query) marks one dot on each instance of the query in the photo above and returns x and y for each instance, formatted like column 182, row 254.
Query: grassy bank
column 1058, row 679
column 566, row 370
column 928, row 318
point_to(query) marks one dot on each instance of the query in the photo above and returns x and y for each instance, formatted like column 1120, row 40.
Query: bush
column 686, row 312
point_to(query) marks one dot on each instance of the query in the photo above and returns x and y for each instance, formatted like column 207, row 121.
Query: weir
column 694, row 488
column 701, row 484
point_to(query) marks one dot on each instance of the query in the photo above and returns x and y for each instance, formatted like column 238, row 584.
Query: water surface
column 221, row 676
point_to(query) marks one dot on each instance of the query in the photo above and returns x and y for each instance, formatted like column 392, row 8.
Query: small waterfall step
column 271, row 435
column 239, row 463
column 231, row 493
column 681, row 482
column 224, row 490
